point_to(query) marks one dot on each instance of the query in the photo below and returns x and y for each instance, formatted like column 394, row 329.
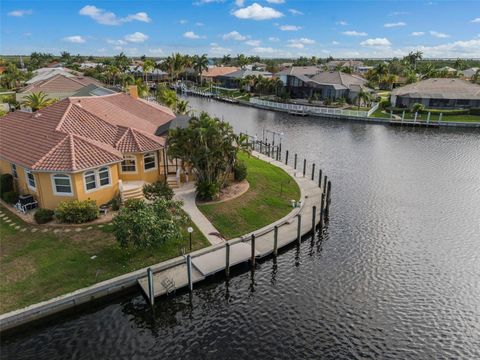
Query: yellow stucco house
column 96, row 147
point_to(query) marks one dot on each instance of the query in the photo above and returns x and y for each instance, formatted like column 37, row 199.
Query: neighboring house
column 351, row 64
column 156, row 75
column 82, row 148
column 448, row 69
column 211, row 74
column 469, row 73
column 58, row 86
column 438, row 93
column 287, row 74
column 256, row 66
column 326, row 85
column 94, row 90
column 363, row 69
column 89, row 65
column 46, row 73
column 232, row 80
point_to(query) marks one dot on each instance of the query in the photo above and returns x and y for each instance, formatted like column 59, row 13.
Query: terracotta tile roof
column 79, row 133
column 219, row 70
column 60, row 84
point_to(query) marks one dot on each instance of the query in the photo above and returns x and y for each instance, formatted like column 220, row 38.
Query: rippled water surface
column 396, row 274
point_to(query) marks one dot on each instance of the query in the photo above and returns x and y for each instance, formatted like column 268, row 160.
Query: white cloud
column 376, row 42
column 264, row 50
column 76, row 39
column 296, row 45
column 290, row 27
column 417, row 33
column 257, row 12
column 304, row 41
column 183, row 21
column 335, row 42
column 476, row 20
column 295, row 12
column 275, row 1
column 216, row 50
column 273, row 38
column 199, row 23
column 354, row 33
column 105, row 17
column 201, row 2
column 396, row 13
column 234, row 35
column 467, row 48
column 439, row 34
column 155, row 51
column 253, row 42
column 116, row 42
column 191, row 35
column 136, row 37
column 392, row 25
column 342, row 22
column 240, row 3
column 20, row 13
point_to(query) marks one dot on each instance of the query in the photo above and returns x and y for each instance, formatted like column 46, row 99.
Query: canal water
column 396, row 273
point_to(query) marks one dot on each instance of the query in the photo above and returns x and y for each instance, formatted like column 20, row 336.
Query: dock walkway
column 208, row 261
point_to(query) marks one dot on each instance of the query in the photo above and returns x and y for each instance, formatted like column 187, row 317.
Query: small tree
column 417, row 107
column 37, row 101
column 211, row 147
column 143, row 225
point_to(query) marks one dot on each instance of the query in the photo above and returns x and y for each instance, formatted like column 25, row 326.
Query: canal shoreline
column 49, row 308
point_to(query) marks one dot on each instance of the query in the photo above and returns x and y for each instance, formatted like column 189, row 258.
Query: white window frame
column 130, row 157
column 31, row 187
column 155, row 161
column 54, row 187
column 96, row 176
column 13, row 167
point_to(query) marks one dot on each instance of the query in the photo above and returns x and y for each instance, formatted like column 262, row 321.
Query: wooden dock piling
column 320, row 178
column 314, row 218
column 151, row 293
column 227, row 259
column 295, row 163
column 313, row 171
column 299, row 229
column 304, row 167
column 275, row 240
column 286, row 158
column 327, row 205
column 189, row 272
column 253, row 250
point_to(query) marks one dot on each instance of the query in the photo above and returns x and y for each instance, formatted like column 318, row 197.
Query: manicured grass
column 433, row 117
column 38, row 266
column 267, row 200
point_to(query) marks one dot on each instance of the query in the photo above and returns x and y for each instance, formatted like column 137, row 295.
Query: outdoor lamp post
column 190, row 231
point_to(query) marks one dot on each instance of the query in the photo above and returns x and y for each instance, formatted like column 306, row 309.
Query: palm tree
column 148, row 67
column 142, row 88
column 242, row 60
column 182, row 107
column 476, row 77
column 364, row 97
column 200, row 63
column 37, row 101
column 167, row 97
column 174, row 65
column 391, row 80
column 226, row 60
column 112, row 73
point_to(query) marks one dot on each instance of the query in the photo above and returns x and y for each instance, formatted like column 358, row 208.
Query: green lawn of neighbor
column 39, row 266
column 267, row 200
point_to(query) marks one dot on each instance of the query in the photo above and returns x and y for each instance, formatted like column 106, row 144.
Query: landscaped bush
column 42, row 216
column 384, row 103
column 207, row 190
column 240, row 170
column 417, row 107
column 447, row 111
column 115, row 203
column 143, row 225
column 10, row 197
column 77, row 212
column 6, row 183
column 157, row 190
column 475, row 111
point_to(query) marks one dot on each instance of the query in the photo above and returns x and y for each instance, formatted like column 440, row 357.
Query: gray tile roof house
column 326, row 84
column 438, row 93
column 231, row 80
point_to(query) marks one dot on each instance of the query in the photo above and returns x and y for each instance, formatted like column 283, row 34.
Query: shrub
column 6, row 183
column 384, row 103
column 115, row 203
column 240, row 170
column 10, row 197
column 475, row 111
column 207, row 190
column 143, row 225
column 417, row 107
column 76, row 212
column 157, row 190
column 42, row 216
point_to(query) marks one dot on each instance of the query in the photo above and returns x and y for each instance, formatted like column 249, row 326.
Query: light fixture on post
column 190, row 231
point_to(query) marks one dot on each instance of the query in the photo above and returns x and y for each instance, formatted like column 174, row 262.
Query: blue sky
column 268, row 28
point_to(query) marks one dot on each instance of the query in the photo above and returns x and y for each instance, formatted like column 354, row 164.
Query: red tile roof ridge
column 48, row 153
column 67, row 110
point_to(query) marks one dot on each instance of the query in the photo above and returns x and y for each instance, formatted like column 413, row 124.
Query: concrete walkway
column 186, row 193
column 210, row 260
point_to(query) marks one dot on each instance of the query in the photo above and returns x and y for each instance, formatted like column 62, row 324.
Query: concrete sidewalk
column 186, row 193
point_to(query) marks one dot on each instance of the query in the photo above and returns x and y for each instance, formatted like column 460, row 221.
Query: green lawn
column 267, row 200
column 38, row 266
column 433, row 117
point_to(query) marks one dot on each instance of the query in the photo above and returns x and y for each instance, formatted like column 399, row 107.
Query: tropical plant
column 210, row 146
column 174, row 65
column 148, row 67
column 182, row 107
column 42, row 216
column 200, row 64
column 417, row 107
column 167, row 96
column 157, row 190
column 37, row 101
column 142, row 225
column 76, row 211
column 363, row 97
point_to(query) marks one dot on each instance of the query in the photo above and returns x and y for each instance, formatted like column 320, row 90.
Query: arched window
column 90, row 180
column 62, row 184
column 149, row 161
column 129, row 163
column 104, row 176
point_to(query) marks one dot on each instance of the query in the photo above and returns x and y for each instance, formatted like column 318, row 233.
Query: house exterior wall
column 150, row 175
column 401, row 101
